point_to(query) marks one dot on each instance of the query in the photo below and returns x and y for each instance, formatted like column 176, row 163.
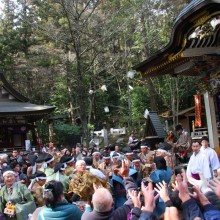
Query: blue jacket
column 159, row 176
column 62, row 211
column 191, row 210
column 211, row 213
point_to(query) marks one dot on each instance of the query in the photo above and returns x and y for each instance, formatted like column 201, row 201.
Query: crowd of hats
column 30, row 158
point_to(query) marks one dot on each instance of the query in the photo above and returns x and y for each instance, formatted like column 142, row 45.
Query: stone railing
column 117, row 131
column 113, row 131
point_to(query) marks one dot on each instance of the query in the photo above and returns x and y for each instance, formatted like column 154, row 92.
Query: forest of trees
column 75, row 55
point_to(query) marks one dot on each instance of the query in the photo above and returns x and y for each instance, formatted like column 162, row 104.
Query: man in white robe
column 198, row 163
column 211, row 155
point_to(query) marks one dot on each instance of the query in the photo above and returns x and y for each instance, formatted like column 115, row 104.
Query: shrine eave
column 23, row 108
column 11, row 90
column 172, row 56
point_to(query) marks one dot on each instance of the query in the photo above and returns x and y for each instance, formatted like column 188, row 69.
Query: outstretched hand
column 202, row 184
column 149, row 198
column 200, row 197
column 162, row 190
column 135, row 197
column 215, row 186
column 182, row 186
column 124, row 170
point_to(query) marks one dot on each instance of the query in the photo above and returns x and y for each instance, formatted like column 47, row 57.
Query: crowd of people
column 130, row 183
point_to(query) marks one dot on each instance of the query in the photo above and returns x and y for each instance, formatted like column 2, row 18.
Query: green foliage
column 62, row 131
column 47, row 62
column 57, row 51
column 90, row 127
column 140, row 102
column 43, row 130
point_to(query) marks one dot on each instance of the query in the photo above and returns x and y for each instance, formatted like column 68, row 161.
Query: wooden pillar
column 211, row 120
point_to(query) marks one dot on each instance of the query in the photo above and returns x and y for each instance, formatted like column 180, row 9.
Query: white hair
column 79, row 162
column 102, row 200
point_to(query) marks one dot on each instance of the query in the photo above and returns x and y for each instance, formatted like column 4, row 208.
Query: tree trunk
column 80, row 88
column 152, row 92
column 69, row 89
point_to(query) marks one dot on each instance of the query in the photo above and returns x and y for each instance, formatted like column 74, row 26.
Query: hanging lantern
column 198, row 121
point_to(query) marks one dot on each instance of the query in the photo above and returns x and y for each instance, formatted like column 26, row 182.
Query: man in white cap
column 145, row 156
column 143, row 170
column 129, row 156
column 114, row 158
column 96, row 159
column 106, row 165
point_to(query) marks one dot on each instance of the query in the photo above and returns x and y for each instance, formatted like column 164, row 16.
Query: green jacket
column 62, row 211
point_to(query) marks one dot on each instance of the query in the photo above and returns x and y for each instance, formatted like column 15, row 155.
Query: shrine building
column 17, row 117
column 194, row 50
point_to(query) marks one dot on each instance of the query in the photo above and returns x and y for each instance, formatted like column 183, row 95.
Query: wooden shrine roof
column 12, row 103
column 184, row 54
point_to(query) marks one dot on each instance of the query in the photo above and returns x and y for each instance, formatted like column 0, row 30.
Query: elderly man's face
column 81, row 167
column 96, row 156
column 9, row 179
